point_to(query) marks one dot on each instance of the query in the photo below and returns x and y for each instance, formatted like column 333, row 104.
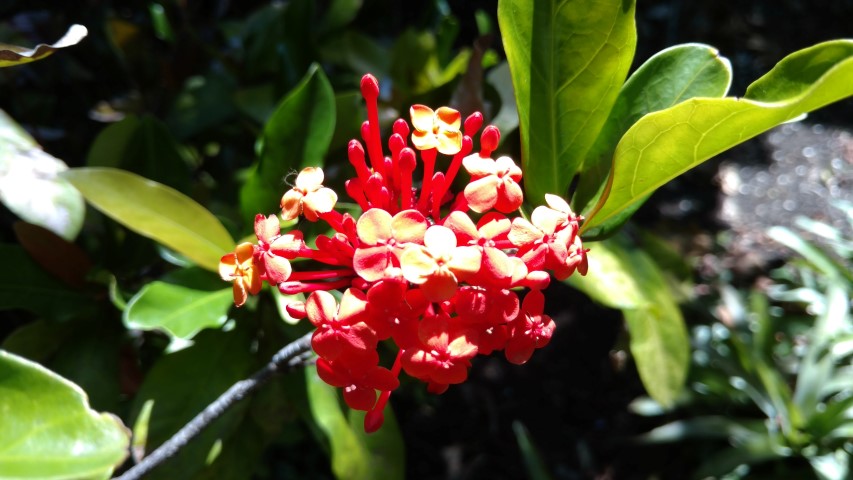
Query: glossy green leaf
column 350, row 457
column 296, row 136
column 32, row 289
column 667, row 143
column 155, row 211
column 568, row 61
column 626, row 278
column 11, row 55
column 31, row 186
column 182, row 384
column 669, row 77
column 179, row 310
column 48, row 431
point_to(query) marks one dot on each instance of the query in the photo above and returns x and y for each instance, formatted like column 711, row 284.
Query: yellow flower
column 436, row 129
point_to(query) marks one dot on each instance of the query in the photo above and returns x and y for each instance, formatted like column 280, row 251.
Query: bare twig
column 286, row 358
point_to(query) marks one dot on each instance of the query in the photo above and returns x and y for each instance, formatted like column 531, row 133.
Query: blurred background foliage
column 194, row 95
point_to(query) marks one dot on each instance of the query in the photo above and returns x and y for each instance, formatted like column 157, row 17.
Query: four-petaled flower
column 530, row 330
column 437, row 129
column 494, row 184
column 309, row 196
column 444, row 353
column 241, row 268
column 439, row 264
column 359, row 380
column 382, row 238
column 340, row 332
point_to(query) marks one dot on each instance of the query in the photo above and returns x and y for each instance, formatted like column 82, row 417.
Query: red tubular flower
column 382, row 238
column 494, row 184
column 309, row 196
column 359, row 380
column 531, row 330
column 241, row 268
column 390, row 306
column 340, row 331
column 444, row 355
column 439, row 264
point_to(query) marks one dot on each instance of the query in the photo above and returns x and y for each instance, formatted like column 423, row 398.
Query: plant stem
column 287, row 358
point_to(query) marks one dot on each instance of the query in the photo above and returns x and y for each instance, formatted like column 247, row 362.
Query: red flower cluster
column 415, row 267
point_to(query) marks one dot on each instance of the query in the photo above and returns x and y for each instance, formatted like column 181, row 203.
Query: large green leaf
column 627, row 278
column 568, row 59
column 32, row 289
column 155, row 211
column 30, row 185
column 14, row 55
column 182, row 384
column 669, row 77
column 180, row 310
column 667, row 143
column 48, row 430
column 297, row 135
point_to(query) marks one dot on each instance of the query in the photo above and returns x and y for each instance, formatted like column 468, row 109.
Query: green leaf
column 296, row 136
column 155, row 211
column 568, row 60
column 339, row 13
column 179, row 310
column 34, row 290
column 667, row 143
column 30, row 185
column 669, row 77
column 11, row 55
column 350, row 457
column 536, row 469
column 48, row 431
column 142, row 145
column 182, row 384
column 507, row 117
column 386, row 446
column 626, row 278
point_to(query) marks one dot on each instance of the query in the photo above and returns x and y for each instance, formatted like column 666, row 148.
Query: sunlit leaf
column 297, row 135
column 48, row 431
column 568, row 61
column 179, row 310
column 664, row 144
column 30, row 185
column 626, row 278
column 666, row 79
column 155, row 211
column 14, row 55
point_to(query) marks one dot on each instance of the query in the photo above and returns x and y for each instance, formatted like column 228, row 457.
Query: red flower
column 444, row 355
column 438, row 265
column 487, row 236
column 308, row 196
column 241, row 268
column 359, row 380
column 382, row 238
column 340, row 332
column 494, row 184
column 531, row 330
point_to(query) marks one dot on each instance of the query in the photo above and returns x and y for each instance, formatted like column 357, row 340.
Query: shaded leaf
column 155, row 211
column 669, row 77
column 667, row 143
column 144, row 146
column 339, row 13
column 297, row 135
column 626, row 278
column 57, row 256
column 48, row 431
column 32, row 289
column 30, row 185
column 11, row 55
column 536, row 469
column 567, row 62
column 182, row 384
column 386, row 446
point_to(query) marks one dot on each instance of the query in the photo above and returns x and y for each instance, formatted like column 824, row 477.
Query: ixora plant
column 414, row 267
column 432, row 268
